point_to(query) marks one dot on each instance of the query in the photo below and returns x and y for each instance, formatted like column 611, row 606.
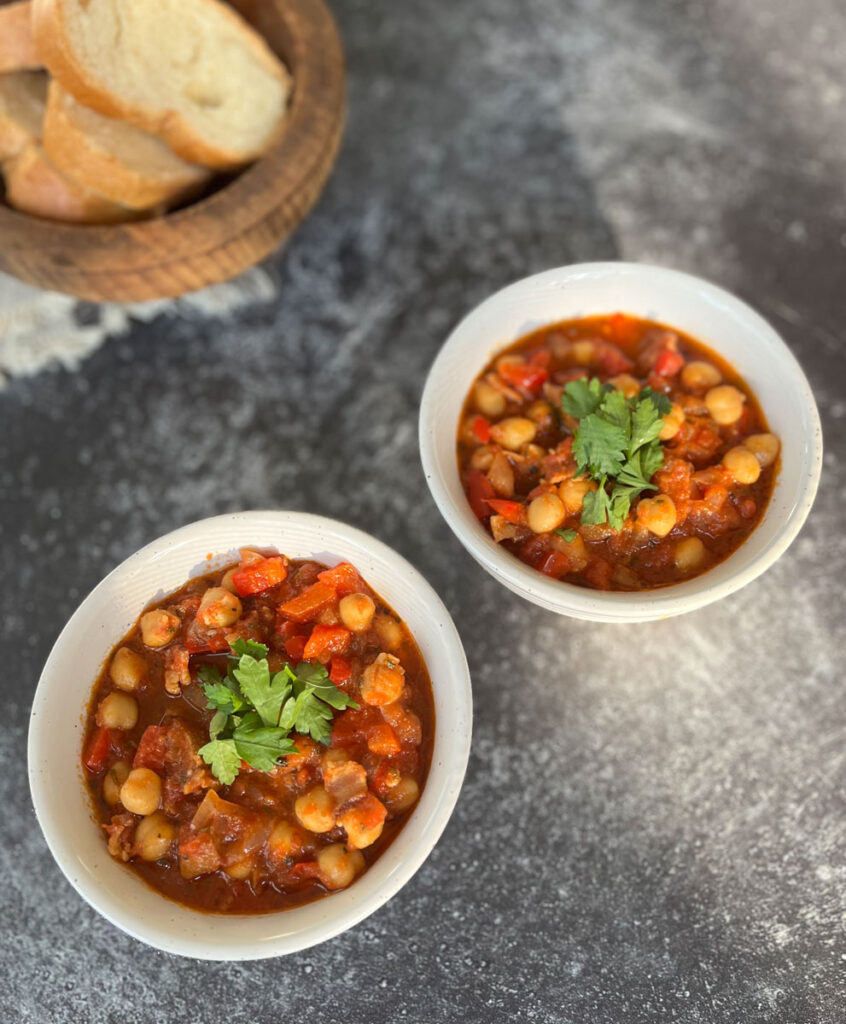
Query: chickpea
column 572, row 492
column 657, row 514
column 218, row 608
column 158, row 627
column 539, row 411
column 338, row 866
column 583, row 352
column 389, row 632
column 482, row 458
column 501, row 476
column 240, row 870
column 115, row 778
column 672, row 422
column 357, row 611
column 127, row 669
column 117, row 711
column 698, row 376
column 286, row 840
column 363, row 821
column 725, row 404
column 489, row 401
column 689, row 554
column 626, row 383
column 513, row 432
column 227, row 582
column 315, row 810
column 142, row 791
column 765, row 448
column 546, row 513
column 153, row 837
column 382, row 682
column 574, row 549
column 403, row 795
column 742, row 464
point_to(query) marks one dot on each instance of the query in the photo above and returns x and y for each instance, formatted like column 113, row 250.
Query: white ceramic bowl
column 56, row 732
column 690, row 304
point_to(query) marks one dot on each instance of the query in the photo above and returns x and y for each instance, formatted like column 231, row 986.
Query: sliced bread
column 34, row 186
column 23, row 95
column 190, row 71
column 17, row 45
column 112, row 158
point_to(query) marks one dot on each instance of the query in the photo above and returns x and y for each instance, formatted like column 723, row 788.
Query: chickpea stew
column 615, row 453
column 259, row 737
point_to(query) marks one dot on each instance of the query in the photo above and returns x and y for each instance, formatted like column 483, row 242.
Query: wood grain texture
column 230, row 229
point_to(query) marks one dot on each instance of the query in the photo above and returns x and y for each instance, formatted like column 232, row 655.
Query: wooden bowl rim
column 317, row 64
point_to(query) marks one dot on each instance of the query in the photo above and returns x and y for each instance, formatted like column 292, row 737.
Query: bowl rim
column 450, row 752
column 566, row 598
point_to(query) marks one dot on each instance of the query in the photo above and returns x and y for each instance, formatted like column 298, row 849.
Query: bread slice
column 23, row 95
column 190, row 71
column 114, row 159
column 34, row 186
column 17, row 44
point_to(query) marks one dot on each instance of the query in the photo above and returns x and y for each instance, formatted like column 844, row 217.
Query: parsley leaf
column 252, row 647
column 262, row 746
column 581, row 397
column 223, row 758
column 568, row 535
column 265, row 694
column 317, row 679
column 616, row 443
column 313, row 717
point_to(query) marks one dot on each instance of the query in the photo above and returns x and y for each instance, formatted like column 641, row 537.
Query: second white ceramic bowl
column 58, row 716
column 692, row 305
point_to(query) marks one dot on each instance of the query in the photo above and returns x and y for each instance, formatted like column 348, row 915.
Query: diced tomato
column 350, row 727
column 295, row 647
column 305, row 871
column 197, row 642
column 482, row 429
column 747, row 508
column 382, row 740
column 555, row 564
column 198, row 856
column 98, row 750
column 624, row 329
column 480, row 490
column 306, row 606
column 259, row 576
column 326, row 640
column 543, row 357
column 598, row 574
column 385, row 778
column 668, row 363
column 610, row 360
column 342, row 578
column 526, row 376
column 152, row 749
column 513, row 511
column 340, row 670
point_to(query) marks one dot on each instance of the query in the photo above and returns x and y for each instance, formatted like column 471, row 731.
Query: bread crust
column 17, row 44
column 35, row 187
column 89, row 161
column 49, row 27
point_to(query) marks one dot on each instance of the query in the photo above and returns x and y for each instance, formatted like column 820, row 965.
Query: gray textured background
column 652, row 826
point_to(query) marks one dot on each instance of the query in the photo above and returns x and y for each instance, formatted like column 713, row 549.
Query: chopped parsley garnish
column 616, row 444
column 255, row 711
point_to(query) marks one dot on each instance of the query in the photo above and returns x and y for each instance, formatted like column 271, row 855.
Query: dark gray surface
column 652, row 826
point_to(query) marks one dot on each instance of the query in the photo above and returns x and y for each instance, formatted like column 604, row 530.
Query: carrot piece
column 295, row 647
column 382, row 740
column 513, row 511
column 307, row 605
column 259, row 576
column 326, row 640
column 342, row 578
column 98, row 750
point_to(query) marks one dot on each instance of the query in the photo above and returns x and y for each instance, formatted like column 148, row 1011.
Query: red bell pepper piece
column 310, row 603
column 555, row 564
column 257, row 577
column 295, row 647
column 342, row 578
column 340, row 670
column 482, row 429
column 526, row 376
column 668, row 363
column 98, row 750
column 513, row 511
column 326, row 640
column 480, row 489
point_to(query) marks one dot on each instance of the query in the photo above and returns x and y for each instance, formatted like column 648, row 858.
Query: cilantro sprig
column 616, row 444
column 255, row 711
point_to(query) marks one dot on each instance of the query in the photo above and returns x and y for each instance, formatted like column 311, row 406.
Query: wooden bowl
column 229, row 230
